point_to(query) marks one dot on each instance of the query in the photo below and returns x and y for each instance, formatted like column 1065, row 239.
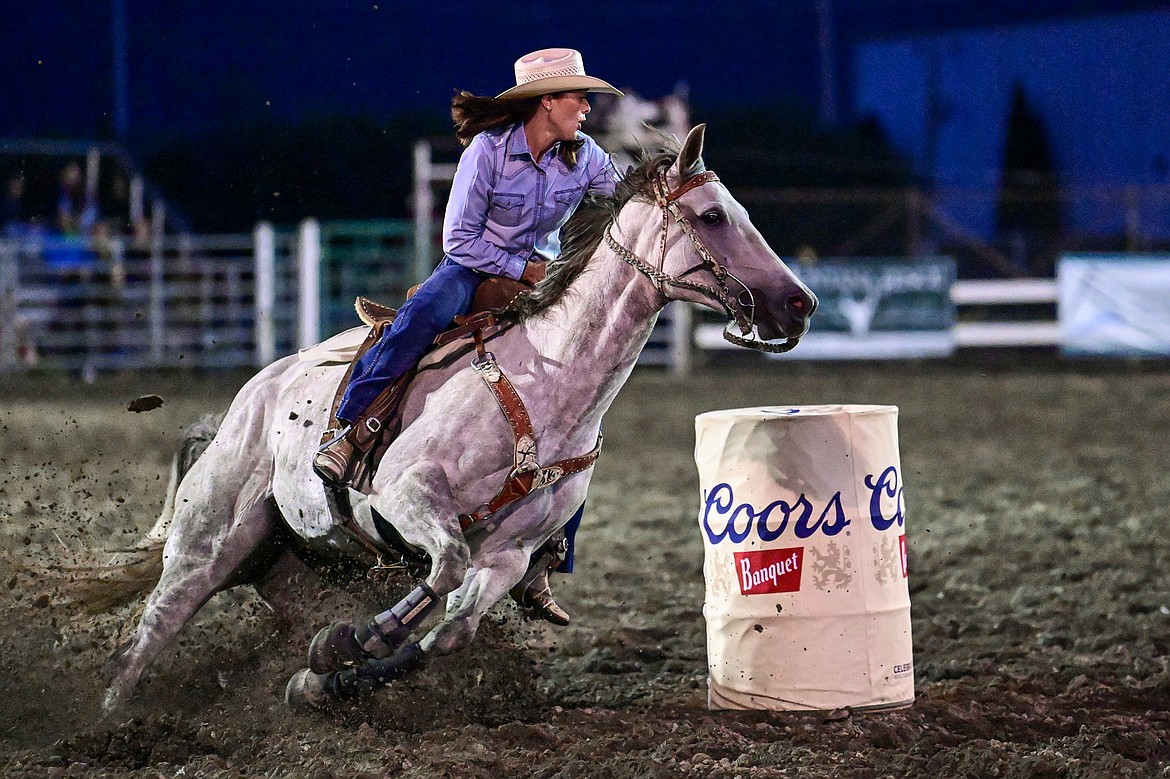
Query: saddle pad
column 340, row 348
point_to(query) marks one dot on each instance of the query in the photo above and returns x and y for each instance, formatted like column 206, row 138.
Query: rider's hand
column 533, row 271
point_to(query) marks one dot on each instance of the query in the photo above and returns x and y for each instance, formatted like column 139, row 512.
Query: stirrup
column 333, row 462
column 340, row 462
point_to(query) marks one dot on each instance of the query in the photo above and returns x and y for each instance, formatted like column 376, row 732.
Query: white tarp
column 803, row 523
column 1114, row 304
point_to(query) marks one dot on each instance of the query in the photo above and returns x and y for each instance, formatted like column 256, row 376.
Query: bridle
column 745, row 301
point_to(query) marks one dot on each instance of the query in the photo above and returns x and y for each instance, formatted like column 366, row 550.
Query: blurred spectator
column 76, row 210
column 120, row 212
column 13, row 219
column 806, row 255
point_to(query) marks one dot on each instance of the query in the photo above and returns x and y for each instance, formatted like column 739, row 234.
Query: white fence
column 205, row 301
column 987, row 317
column 1006, row 292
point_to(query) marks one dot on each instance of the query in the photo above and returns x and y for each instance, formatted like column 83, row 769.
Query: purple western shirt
column 504, row 205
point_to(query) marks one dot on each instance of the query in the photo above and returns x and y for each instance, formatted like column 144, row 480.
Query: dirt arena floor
column 1039, row 555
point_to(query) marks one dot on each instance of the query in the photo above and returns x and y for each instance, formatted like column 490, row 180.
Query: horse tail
column 100, row 585
column 196, row 438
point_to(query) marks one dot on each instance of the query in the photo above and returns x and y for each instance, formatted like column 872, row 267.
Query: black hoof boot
column 307, row 691
column 342, row 645
column 335, row 648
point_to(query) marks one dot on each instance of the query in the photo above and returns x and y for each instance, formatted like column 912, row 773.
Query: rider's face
column 566, row 113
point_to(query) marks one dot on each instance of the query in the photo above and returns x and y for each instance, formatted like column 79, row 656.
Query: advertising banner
column 878, row 308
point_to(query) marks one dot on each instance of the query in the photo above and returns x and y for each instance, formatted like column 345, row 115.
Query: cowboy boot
column 331, row 462
column 340, row 462
column 533, row 593
column 339, row 459
column 538, row 601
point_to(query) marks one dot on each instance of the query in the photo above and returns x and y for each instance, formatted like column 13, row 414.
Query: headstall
column 667, row 200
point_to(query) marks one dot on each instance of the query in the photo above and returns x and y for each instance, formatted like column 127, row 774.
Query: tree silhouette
column 1028, row 212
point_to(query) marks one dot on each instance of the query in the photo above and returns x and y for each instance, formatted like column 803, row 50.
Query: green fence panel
column 374, row 258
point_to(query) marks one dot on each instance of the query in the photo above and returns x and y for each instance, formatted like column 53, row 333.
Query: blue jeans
column 445, row 294
column 571, row 526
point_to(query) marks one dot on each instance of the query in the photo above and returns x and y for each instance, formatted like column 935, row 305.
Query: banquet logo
column 769, row 570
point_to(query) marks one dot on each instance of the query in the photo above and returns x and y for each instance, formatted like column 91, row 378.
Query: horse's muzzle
column 789, row 318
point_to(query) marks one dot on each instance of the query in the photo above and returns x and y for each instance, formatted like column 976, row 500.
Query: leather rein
column 667, row 200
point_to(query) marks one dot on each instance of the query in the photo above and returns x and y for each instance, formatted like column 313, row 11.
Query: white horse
column 673, row 232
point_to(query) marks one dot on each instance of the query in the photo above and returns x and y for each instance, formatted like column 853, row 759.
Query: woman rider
column 526, row 168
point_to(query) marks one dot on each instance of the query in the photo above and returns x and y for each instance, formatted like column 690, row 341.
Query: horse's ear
column 690, row 159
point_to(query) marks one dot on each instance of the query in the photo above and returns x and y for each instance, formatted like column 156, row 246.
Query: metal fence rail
column 188, row 301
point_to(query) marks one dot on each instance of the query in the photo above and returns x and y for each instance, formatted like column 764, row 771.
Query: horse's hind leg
column 220, row 523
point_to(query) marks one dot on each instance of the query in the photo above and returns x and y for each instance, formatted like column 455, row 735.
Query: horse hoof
column 307, row 691
column 335, row 648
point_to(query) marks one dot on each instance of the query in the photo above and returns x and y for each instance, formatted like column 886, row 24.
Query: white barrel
column 803, row 523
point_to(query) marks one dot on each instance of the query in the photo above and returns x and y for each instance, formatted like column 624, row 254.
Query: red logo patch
column 769, row 570
column 902, row 548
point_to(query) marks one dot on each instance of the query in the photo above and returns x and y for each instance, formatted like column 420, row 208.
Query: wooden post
column 913, row 222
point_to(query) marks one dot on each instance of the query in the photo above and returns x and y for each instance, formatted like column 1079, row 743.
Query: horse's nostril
column 800, row 305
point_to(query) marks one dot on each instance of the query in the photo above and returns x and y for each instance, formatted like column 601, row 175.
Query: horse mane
column 582, row 234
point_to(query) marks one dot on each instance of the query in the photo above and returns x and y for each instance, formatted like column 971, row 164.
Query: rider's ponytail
column 473, row 113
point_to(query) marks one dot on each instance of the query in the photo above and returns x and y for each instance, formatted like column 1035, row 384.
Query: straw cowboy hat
column 553, row 70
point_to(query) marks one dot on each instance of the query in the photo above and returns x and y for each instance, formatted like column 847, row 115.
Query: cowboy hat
column 553, row 70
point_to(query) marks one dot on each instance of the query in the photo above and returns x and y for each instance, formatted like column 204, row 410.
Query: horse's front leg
column 481, row 590
column 484, row 588
column 422, row 508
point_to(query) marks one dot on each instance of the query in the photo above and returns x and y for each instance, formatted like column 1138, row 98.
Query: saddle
column 485, row 320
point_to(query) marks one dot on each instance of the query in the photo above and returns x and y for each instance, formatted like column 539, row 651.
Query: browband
column 694, row 181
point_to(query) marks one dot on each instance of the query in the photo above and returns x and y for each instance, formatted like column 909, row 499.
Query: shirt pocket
column 568, row 197
column 507, row 209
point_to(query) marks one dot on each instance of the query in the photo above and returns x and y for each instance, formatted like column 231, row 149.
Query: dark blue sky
column 195, row 67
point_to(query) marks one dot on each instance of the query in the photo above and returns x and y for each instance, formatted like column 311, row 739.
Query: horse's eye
column 712, row 217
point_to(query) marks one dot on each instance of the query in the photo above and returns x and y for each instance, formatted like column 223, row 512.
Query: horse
column 671, row 232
